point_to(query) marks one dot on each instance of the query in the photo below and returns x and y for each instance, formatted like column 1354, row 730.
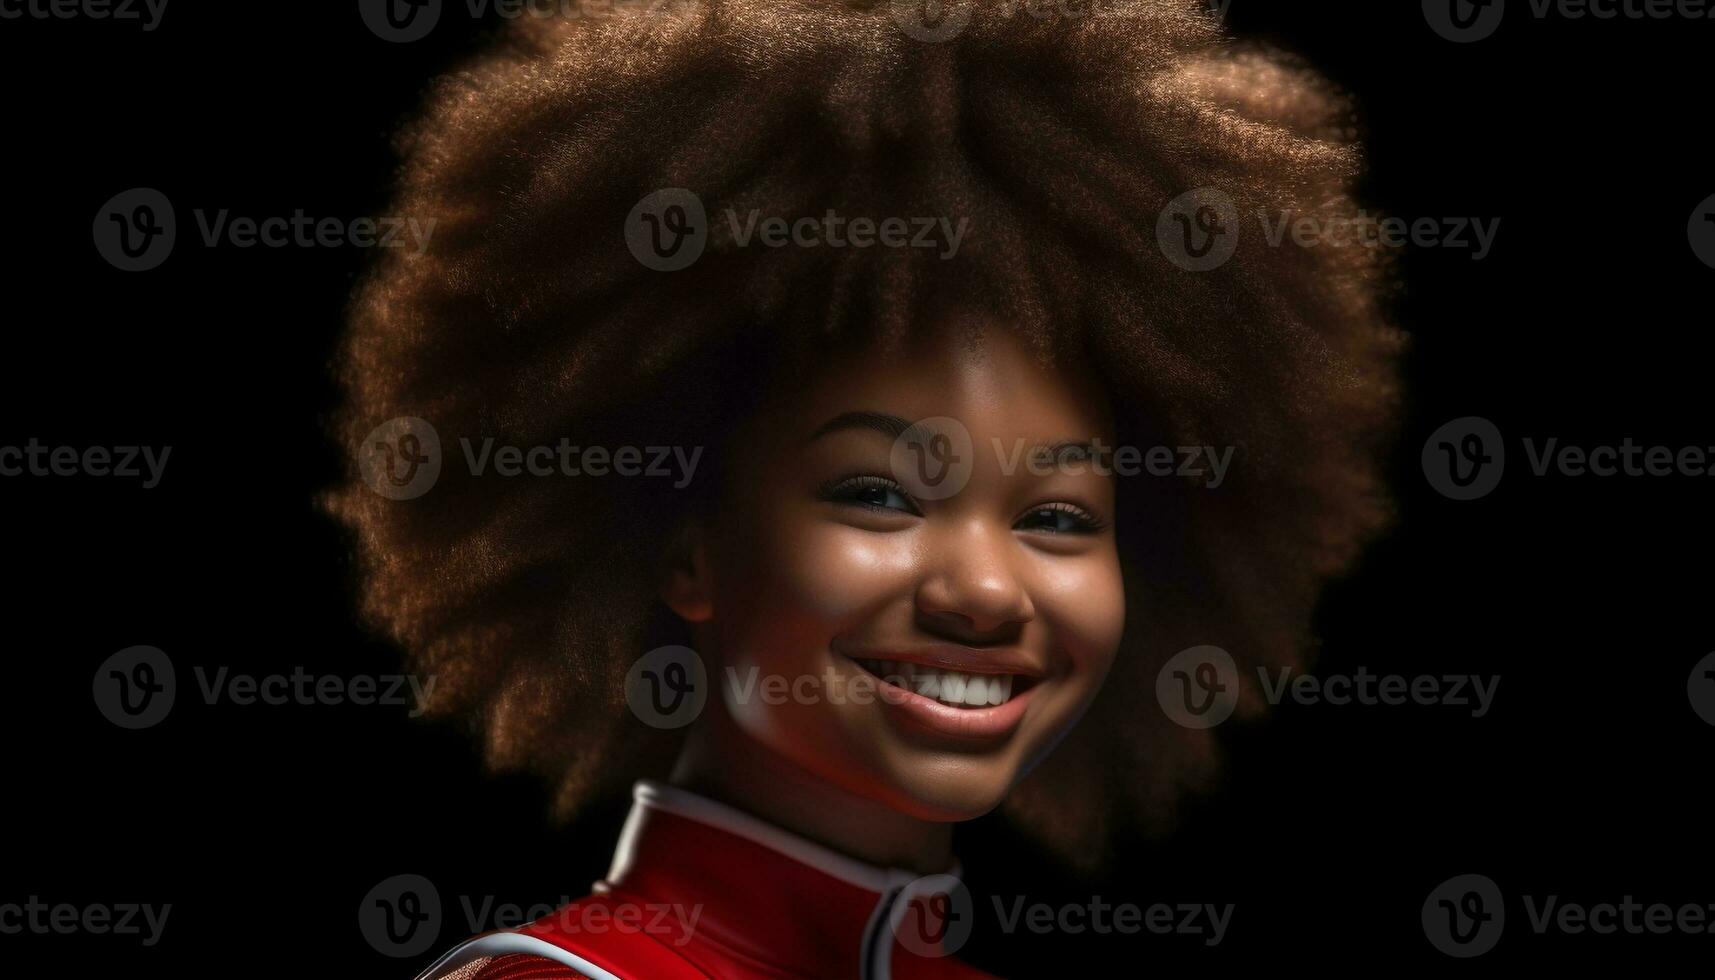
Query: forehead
column 984, row 376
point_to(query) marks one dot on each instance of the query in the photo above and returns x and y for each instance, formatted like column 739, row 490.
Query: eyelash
column 846, row 490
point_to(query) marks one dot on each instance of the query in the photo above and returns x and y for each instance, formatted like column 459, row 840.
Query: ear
column 685, row 584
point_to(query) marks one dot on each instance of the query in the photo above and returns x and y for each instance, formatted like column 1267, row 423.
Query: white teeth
column 947, row 686
column 953, row 688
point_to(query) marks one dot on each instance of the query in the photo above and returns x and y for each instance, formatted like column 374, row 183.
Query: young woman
column 962, row 385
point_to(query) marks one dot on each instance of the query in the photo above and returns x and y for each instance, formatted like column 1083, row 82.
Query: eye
column 870, row 492
column 1059, row 518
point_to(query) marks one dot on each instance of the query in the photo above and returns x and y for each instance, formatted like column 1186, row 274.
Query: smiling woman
column 1009, row 620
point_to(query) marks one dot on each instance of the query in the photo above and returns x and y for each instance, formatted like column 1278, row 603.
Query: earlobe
column 685, row 586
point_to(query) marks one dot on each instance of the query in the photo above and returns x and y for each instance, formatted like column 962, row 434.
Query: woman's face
column 916, row 615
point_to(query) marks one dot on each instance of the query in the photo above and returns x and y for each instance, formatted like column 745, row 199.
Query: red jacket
column 700, row 890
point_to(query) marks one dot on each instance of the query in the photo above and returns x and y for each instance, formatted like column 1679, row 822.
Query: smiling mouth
column 951, row 688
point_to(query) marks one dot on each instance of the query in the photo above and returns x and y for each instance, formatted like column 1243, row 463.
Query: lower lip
column 976, row 724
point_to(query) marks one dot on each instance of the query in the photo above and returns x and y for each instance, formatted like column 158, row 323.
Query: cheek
column 809, row 580
column 1084, row 600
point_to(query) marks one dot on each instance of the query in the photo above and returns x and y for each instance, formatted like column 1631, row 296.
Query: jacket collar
column 764, row 892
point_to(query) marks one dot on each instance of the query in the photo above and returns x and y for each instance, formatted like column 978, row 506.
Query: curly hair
column 1062, row 139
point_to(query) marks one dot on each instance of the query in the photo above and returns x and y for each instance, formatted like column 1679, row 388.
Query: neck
column 723, row 763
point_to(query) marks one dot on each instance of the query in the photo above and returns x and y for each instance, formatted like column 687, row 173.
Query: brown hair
column 1061, row 139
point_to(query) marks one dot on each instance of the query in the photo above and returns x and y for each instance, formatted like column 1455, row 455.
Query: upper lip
column 953, row 657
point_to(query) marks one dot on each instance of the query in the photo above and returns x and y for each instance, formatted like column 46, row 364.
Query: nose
column 973, row 591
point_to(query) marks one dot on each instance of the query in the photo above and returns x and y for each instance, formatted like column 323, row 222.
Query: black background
column 264, row 826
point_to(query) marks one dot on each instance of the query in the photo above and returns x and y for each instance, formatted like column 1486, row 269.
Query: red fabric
column 759, row 915
column 518, row 967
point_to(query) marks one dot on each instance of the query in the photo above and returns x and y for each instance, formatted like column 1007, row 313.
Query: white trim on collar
column 651, row 795
column 508, row 943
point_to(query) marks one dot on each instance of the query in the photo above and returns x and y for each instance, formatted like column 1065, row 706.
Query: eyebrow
column 1067, row 450
column 891, row 426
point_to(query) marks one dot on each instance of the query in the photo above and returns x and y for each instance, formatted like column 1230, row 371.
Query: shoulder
column 522, row 966
column 587, row 939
